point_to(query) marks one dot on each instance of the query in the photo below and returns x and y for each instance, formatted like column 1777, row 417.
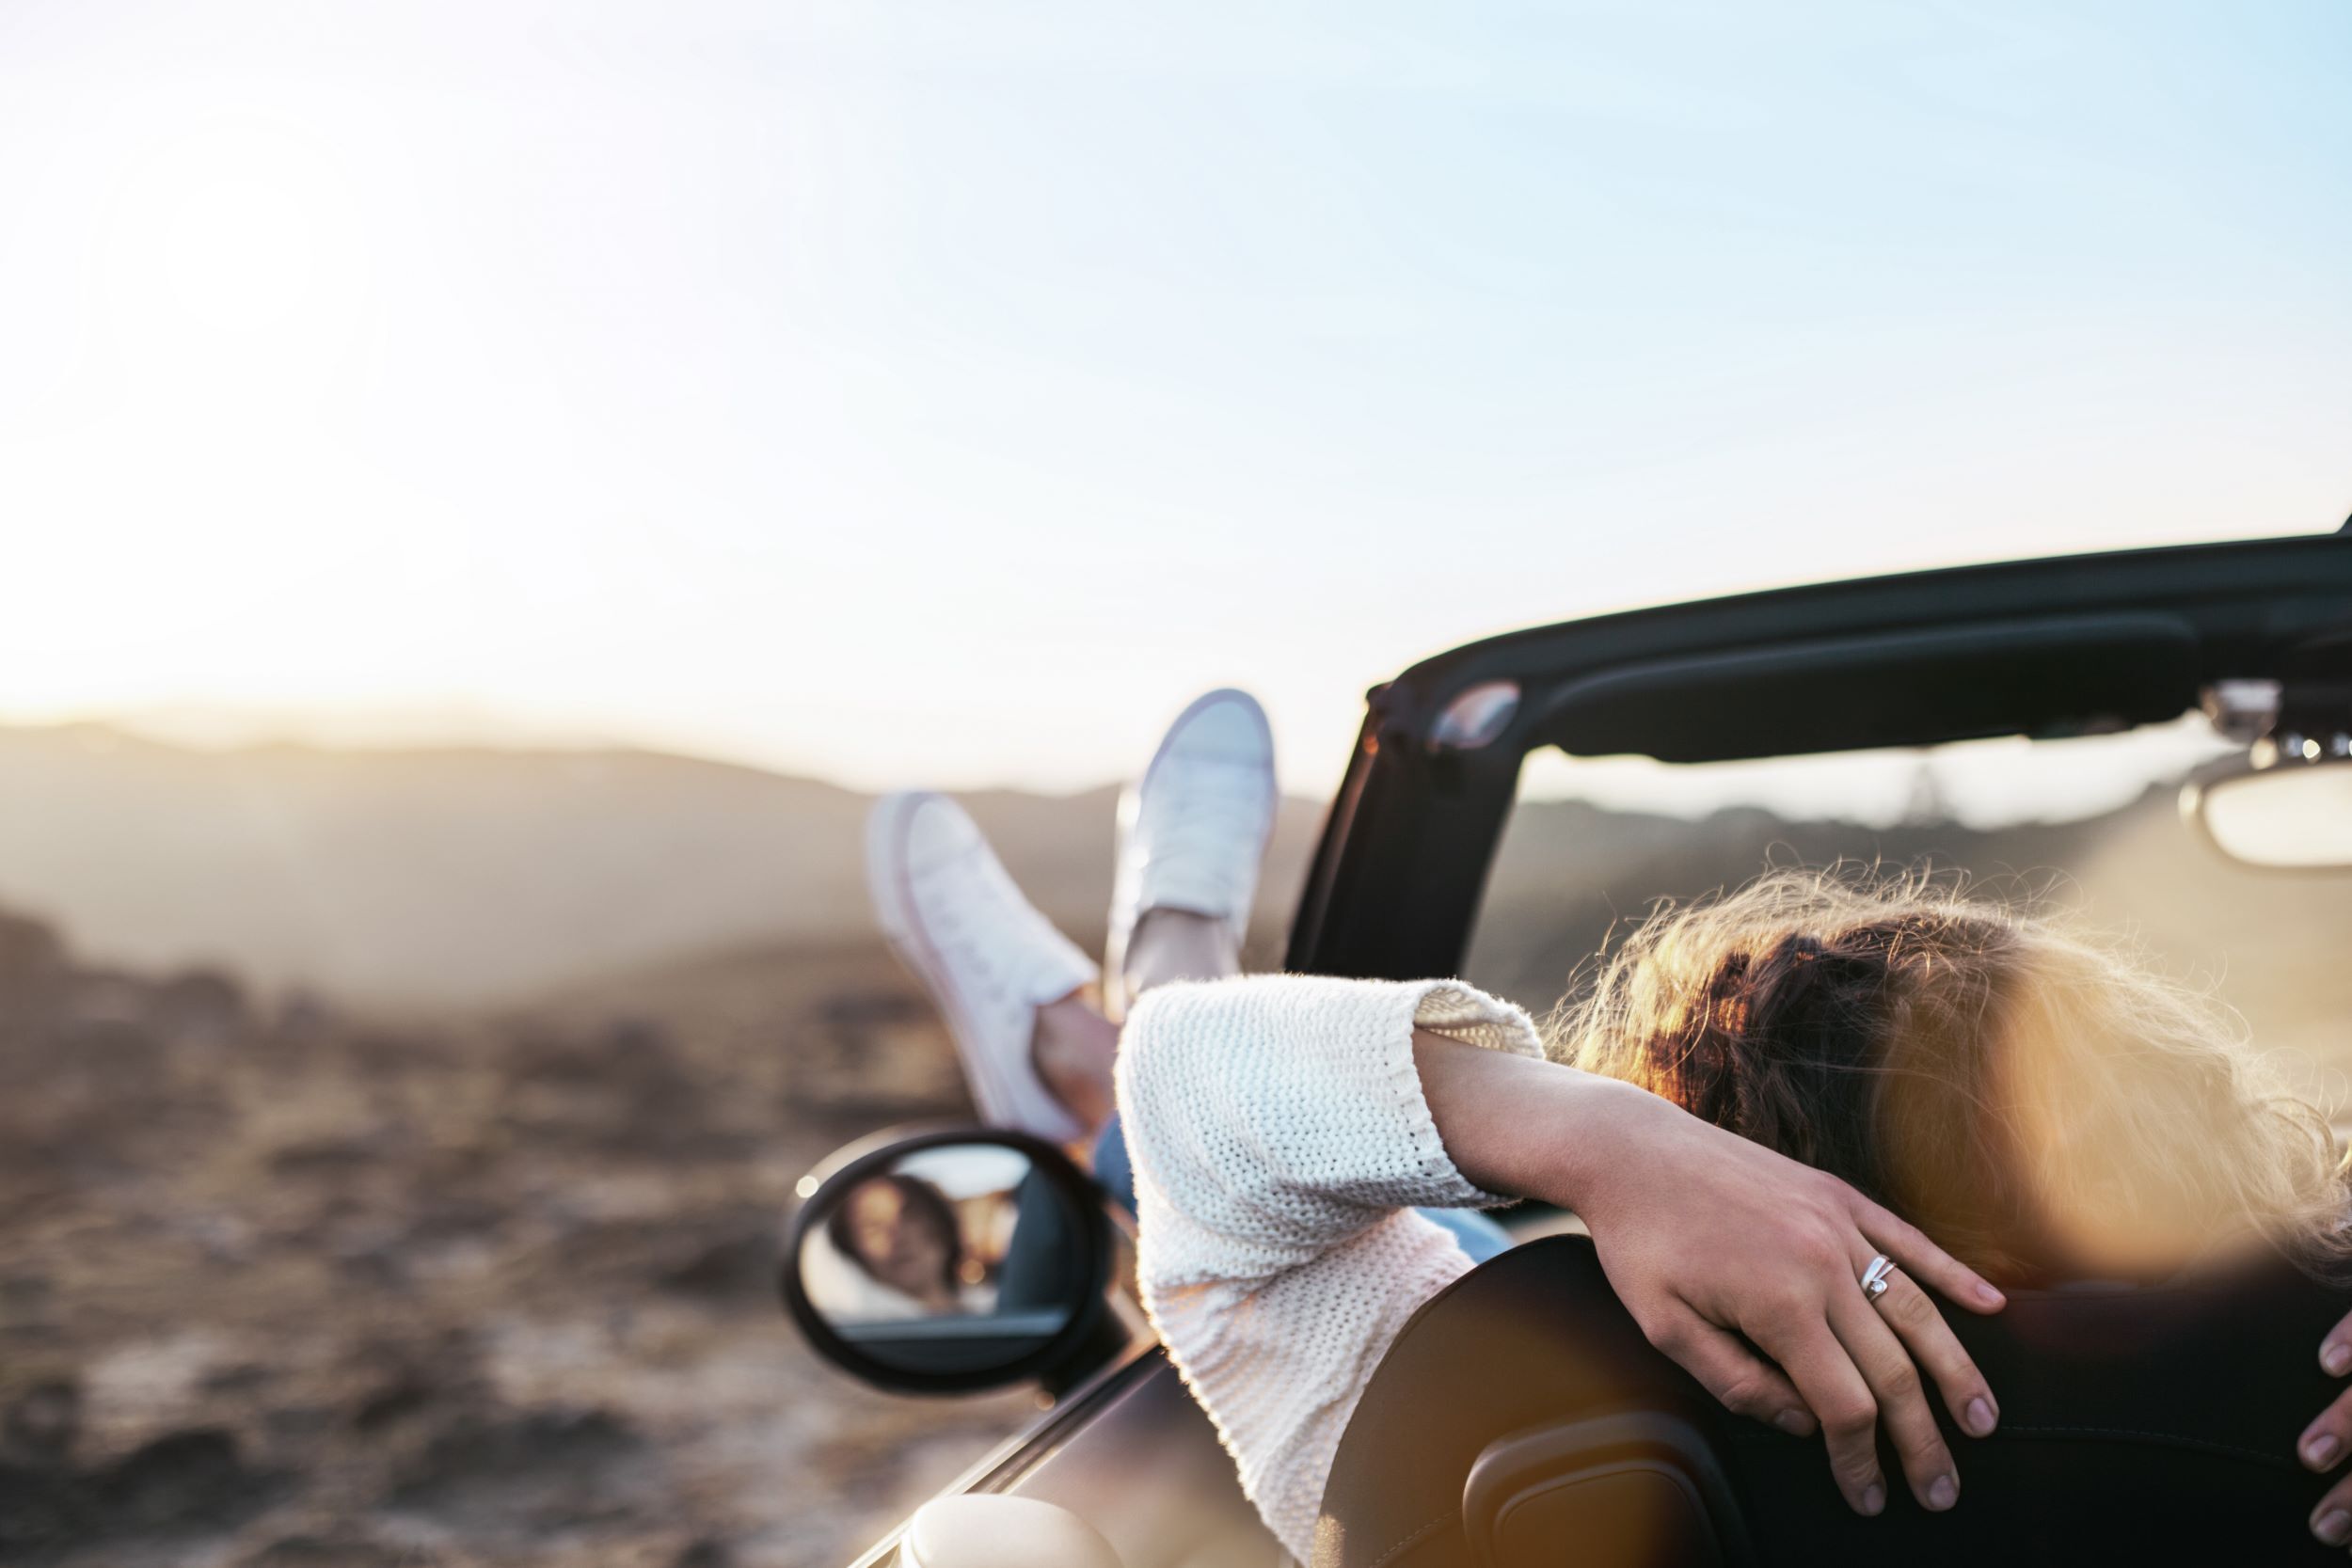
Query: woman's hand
column 2326, row 1441
column 1709, row 1237
column 1717, row 1244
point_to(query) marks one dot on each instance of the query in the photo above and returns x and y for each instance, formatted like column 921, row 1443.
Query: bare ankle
column 1178, row 944
column 1071, row 1050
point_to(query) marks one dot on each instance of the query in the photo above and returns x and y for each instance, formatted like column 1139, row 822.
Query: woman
column 901, row 1233
column 2045, row 1108
column 1281, row 1131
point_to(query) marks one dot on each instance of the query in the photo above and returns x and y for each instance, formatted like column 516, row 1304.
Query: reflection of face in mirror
column 956, row 1256
column 901, row 1231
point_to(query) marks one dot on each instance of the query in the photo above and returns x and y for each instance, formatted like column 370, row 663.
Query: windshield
column 2090, row 827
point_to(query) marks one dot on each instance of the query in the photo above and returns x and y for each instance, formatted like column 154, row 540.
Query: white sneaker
column 1192, row 832
column 990, row 958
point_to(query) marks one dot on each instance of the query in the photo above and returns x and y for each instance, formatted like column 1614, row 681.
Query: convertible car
column 2170, row 729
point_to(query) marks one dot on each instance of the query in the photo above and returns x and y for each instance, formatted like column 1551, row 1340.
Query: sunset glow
column 889, row 395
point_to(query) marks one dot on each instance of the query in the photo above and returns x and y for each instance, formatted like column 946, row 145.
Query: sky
column 945, row 393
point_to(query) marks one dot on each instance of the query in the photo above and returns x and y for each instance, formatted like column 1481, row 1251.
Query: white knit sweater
column 1280, row 1140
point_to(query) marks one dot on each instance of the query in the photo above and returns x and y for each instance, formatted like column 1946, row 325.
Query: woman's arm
column 1280, row 1140
column 1707, row 1237
column 1281, row 1126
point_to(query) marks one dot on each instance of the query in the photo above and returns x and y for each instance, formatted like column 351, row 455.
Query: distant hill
column 463, row 877
column 468, row 876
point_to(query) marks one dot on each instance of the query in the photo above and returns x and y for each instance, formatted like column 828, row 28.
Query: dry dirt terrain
column 404, row 1186
column 279, row 1287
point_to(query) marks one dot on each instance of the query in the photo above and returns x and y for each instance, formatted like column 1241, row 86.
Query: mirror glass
column 953, row 1257
column 2294, row 816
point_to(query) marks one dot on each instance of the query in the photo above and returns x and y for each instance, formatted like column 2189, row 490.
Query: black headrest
column 2148, row 1425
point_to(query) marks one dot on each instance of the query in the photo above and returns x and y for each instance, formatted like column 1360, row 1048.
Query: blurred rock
column 737, row 1270
column 535, row 1469
column 192, row 1477
column 877, row 1055
column 335, row 1549
column 42, row 1422
column 31, row 955
column 200, row 1006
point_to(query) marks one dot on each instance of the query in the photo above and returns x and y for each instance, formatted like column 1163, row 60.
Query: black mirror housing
column 949, row 1259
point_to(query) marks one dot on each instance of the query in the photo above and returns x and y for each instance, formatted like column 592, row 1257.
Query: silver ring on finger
column 1876, row 1277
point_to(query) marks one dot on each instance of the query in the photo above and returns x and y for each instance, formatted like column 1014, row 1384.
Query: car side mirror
column 949, row 1261
column 2285, row 806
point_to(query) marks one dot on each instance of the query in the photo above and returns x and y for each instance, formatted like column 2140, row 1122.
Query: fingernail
column 2337, row 1358
column 1979, row 1417
column 2333, row 1526
column 2320, row 1449
column 1874, row 1501
column 1941, row 1492
column 1990, row 1296
column 1794, row 1422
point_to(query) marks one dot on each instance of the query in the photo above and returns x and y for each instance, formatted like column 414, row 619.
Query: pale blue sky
column 946, row 393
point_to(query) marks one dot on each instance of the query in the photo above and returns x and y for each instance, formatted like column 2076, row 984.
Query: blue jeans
column 1480, row 1236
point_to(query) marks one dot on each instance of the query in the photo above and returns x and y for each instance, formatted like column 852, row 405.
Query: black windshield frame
column 2069, row 644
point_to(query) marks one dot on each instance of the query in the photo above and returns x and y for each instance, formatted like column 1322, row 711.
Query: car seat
column 1521, row 1418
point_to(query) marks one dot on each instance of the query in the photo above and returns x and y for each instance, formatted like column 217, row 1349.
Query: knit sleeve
column 1280, row 1139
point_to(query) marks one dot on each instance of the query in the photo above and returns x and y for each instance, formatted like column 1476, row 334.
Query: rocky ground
column 283, row 1287
column 286, row 1283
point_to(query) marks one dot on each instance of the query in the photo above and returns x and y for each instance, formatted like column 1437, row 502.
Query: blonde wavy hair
column 2038, row 1101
